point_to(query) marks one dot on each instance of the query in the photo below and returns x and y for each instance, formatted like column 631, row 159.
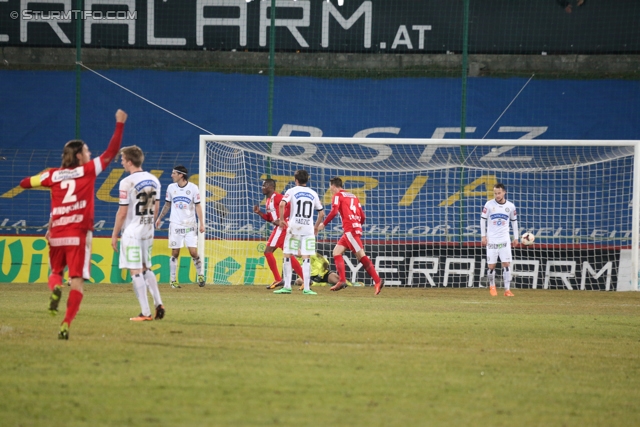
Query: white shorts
column 135, row 252
column 299, row 245
column 183, row 236
column 498, row 250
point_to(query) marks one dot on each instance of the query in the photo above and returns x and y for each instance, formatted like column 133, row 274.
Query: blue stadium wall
column 39, row 116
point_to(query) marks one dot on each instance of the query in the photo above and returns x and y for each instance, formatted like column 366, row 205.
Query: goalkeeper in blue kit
column 320, row 273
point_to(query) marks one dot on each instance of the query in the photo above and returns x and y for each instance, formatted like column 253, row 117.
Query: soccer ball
column 528, row 239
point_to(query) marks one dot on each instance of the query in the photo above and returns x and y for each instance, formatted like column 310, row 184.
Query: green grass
column 242, row 356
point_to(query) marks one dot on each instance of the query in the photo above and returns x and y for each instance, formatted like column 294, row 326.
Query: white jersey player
column 301, row 229
column 183, row 198
column 136, row 216
column 497, row 215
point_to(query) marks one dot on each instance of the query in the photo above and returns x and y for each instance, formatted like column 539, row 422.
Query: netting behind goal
column 423, row 200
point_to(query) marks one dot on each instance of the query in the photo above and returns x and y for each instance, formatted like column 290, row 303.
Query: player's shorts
column 498, row 250
column 134, row 252
column 299, row 245
column 180, row 236
column 74, row 252
column 351, row 241
column 276, row 240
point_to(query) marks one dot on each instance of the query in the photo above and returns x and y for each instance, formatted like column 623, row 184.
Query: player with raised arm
column 301, row 230
column 139, row 206
column 496, row 216
column 276, row 239
column 72, row 215
column 183, row 198
column 348, row 205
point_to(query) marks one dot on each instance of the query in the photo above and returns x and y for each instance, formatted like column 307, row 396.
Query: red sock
column 73, row 305
column 370, row 269
column 295, row 264
column 273, row 265
column 342, row 272
column 54, row 280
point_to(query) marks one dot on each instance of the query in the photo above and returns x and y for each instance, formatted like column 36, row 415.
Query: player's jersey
column 183, row 204
column 272, row 205
column 350, row 210
column 72, row 191
column 72, row 197
column 302, row 202
column 498, row 217
column 319, row 265
column 139, row 191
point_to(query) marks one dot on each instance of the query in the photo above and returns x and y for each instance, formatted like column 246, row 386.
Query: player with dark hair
column 72, row 216
column 496, row 216
column 183, row 198
column 348, row 205
column 136, row 216
column 301, row 230
column 276, row 239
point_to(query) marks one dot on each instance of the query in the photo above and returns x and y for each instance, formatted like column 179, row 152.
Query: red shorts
column 73, row 252
column 351, row 241
column 276, row 239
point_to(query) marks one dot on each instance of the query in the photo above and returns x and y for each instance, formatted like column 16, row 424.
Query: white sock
column 306, row 273
column 491, row 276
column 152, row 283
column 173, row 266
column 197, row 263
column 140, row 288
column 286, row 273
column 506, row 275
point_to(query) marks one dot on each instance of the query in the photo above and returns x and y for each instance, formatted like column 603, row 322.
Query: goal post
column 423, row 199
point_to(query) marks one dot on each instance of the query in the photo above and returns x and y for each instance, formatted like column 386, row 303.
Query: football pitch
column 242, row 356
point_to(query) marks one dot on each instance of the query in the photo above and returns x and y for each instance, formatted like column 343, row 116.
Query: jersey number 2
column 70, row 185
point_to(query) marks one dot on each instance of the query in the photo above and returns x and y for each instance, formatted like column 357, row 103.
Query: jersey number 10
column 304, row 208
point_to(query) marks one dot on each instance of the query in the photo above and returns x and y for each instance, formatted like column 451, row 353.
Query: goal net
column 423, row 199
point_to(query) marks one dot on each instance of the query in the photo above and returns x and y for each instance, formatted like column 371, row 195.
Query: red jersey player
column 276, row 240
column 71, row 230
column 353, row 217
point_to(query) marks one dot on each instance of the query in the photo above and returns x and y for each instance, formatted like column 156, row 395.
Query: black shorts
column 321, row 279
